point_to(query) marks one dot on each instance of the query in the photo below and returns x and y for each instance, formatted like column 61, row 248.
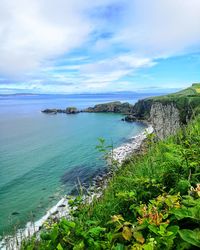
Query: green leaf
column 95, row 231
column 59, row 247
column 149, row 246
column 173, row 229
column 192, row 237
column 79, row 246
column 45, row 236
column 119, row 247
column 54, row 233
column 153, row 228
column 189, row 201
column 139, row 237
column 117, row 218
column 191, row 212
column 126, row 233
column 71, row 224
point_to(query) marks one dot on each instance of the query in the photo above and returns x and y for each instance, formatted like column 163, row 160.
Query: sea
column 42, row 156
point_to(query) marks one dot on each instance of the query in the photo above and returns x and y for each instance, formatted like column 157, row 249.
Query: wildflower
column 195, row 191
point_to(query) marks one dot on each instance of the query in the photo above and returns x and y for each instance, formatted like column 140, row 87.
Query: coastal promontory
column 165, row 113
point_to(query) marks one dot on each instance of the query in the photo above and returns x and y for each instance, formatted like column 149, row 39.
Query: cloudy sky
column 73, row 46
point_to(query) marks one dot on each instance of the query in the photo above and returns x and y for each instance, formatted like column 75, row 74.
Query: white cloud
column 36, row 30
column 112, row 69
column 35, row 34
column 160, row 28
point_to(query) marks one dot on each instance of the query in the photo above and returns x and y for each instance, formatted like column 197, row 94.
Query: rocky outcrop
column 165, row 119
column 50, row 111
column 115, row 107
column 68, row 110
column 71, row 110
column 129, row 118
column 166, row 116
column 167, row 113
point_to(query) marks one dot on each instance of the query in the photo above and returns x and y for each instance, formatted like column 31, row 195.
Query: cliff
column 165, row 119
column 168, row 113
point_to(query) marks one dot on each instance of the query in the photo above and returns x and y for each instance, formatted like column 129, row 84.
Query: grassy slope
column 192, row 91
column 187, row 101
column 189, row 97
column 149, row 201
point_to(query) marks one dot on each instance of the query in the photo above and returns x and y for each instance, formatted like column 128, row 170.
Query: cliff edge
column 168, row 113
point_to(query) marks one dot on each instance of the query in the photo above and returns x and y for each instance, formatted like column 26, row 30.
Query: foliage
column 152, row 202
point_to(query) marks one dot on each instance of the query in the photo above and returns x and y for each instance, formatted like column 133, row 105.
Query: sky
column 77, row 46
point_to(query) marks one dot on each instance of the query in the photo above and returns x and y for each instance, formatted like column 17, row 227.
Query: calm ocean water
column 38, row 152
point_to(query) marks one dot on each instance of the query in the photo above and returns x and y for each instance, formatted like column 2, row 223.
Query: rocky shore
column 123, row 152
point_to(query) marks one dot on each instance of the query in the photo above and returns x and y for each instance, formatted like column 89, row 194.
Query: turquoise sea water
column 42, row 155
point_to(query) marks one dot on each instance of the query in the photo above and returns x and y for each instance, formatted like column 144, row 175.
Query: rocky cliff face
column 165, row 119
column 164, row 116
column 169, row 112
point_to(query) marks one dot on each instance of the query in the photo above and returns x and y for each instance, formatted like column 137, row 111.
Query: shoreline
column 62, row 208
column 122, row 152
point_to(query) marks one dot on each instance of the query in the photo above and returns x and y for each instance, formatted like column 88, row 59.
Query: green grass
column 192, row 91
column 151, row 202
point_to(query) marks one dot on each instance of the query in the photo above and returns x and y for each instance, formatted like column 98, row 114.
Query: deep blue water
column 38, row 152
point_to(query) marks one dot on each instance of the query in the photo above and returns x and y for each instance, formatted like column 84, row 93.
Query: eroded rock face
column 165, row 119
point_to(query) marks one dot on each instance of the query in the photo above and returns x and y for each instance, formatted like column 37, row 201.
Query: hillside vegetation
column 187, row 101
column 151, row 202
column 192, row 91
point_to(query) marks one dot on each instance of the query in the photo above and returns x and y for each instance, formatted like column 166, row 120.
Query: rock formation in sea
column 71, row 110
column 68, row 110
column 115, row 107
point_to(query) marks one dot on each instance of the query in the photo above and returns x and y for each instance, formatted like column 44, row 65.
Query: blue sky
column 75, row 46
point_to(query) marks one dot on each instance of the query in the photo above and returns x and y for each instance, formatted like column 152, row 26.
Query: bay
column 41, row 156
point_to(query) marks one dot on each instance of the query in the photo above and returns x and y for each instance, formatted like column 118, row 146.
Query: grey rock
column 165, row 119
column 129, row 118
